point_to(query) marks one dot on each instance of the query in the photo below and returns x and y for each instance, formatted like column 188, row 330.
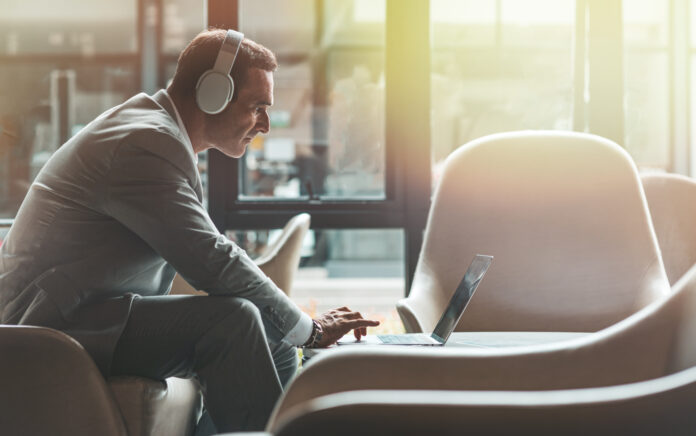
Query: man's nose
column 263, row 124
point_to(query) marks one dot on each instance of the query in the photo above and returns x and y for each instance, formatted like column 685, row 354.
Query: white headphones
column 215, row 87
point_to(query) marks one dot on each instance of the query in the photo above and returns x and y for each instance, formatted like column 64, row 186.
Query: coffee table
column 476, row 340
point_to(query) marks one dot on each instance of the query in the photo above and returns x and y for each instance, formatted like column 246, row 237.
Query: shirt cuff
column 301, row 332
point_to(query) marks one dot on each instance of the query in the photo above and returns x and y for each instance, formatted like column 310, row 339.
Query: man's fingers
column 338, row 322
column 360, row 331
column 358, row 323
column 353, row 315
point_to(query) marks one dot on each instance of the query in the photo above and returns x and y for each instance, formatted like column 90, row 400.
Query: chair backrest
column 282, row 257
column 279, row 261
column 672, row 203
column 565, row 217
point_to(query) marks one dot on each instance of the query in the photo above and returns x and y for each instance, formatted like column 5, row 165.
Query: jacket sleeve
column 152, row 190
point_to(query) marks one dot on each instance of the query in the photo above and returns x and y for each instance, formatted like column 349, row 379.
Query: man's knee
column 238, row 324
column 239, row 309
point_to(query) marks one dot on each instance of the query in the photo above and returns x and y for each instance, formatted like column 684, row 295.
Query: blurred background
column 622, row 69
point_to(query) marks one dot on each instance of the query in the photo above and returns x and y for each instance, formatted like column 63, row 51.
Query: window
column 499, row 66
column 327, row 124
column 68, row 28
column 326, row 153
column 647, row 83
column 330, row 152
column 63, row 66
column 371, row 96
column 58, row 70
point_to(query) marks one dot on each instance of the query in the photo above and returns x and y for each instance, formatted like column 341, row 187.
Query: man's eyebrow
column 263, row 103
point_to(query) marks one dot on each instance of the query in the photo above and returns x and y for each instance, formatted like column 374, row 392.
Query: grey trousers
column 220, row 341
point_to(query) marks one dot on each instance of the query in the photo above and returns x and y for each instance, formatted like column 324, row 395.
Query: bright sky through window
column 366, row 11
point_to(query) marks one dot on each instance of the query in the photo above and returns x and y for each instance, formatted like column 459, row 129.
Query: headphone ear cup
column 214, row 91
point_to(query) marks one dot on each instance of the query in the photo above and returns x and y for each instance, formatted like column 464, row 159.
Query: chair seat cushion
column 154, row 407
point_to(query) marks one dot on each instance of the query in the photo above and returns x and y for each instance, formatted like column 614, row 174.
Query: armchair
column 660, row 406
column 279, row 261
column 672, row 203
column 50, row 385
column 656, row 342
column 565, row 217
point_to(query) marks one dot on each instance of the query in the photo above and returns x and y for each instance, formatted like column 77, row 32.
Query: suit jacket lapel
column 161, row 99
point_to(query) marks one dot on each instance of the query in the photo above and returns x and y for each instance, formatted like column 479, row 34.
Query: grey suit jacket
column 112, row 215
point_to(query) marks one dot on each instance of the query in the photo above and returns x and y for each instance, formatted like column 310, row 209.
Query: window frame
column 407, row 151
column 407, row 103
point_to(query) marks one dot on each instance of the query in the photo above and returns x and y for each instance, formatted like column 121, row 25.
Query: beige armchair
column 655, row 343
column 279, row 261
column 655, row 407
column 672, row 204
column 565, row 217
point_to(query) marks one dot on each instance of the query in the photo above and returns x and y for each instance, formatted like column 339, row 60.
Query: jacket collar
column 164, row 99
column 161, row 98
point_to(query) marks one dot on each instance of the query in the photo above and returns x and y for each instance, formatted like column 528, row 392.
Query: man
column 117, row 210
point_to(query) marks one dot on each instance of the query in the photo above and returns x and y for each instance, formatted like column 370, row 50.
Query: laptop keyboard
column 408, row 339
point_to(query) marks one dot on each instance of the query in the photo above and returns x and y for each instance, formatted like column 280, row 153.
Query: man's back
column 63, row 219
column 66, row 228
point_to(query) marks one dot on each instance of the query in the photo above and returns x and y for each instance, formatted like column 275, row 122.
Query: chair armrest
column 50, row 385
column 151, row 407
column 409, row 315
column 598, row 359
column 660, row 406
column 421, row 310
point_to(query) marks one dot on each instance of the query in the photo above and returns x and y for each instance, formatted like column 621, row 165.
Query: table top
column 480, row 340
column 508, row 339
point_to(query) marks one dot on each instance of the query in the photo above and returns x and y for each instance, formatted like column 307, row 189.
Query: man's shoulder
column 151, row 130
column 141, row 114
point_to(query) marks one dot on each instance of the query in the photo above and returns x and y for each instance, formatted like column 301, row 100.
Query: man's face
column 245, row 117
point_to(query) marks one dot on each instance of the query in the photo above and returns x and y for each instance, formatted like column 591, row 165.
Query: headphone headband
column 228, row 52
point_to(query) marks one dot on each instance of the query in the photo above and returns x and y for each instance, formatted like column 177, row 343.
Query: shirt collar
column 180, row 122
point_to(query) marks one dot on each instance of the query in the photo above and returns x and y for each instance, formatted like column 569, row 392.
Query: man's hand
column 337, row 322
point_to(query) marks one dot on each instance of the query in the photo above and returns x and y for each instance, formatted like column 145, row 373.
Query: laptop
column 449, row 319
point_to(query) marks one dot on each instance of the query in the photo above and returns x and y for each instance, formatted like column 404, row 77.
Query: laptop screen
column 461, row 297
